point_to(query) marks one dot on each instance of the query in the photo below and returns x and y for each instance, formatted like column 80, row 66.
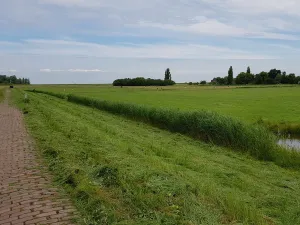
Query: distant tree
column 230, row 76
column 168, row 75
column 258, row 79
column 269, row 81
column 190, row 83
column 141, row 81
column 264, row 76
column 203, row 82
column 273, row 73
column 278, row 79
column 244, row 78
column 13, row 80
column 240, row 78
column 248, row 70
column 219, row 81
column 249, row 78
column 292, row 78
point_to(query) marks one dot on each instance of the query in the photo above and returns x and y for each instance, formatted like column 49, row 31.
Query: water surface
column 290, row 143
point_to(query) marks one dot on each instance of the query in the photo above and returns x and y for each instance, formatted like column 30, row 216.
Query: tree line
column 274, row 76
column 4, row 79
column 141, row 81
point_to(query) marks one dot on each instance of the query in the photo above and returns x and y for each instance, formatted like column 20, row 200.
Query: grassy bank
column 274, row 105
column 1, row 93
column 207, row 126
column 120, row 171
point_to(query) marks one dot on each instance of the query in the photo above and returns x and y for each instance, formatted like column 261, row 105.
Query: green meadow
column 277, row 107
column 121, row 170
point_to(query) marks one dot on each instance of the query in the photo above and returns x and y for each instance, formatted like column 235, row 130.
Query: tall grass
column 57, row 95
column 207, row 126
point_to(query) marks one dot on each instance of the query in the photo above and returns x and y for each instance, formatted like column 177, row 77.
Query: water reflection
column 290, row 143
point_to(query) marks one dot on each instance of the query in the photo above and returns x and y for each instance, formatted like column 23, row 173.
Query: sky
column 98, row 41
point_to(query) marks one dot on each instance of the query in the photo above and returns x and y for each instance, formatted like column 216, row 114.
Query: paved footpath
column 26, row 195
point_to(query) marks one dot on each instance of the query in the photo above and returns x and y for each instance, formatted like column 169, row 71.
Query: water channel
column 290, row 143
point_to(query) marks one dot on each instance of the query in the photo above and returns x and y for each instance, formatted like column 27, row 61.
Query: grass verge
column 1, row 93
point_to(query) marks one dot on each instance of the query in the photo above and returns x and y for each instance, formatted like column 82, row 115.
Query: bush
column 203, row 82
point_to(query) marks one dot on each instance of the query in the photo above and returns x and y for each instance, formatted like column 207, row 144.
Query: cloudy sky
column 97, row 41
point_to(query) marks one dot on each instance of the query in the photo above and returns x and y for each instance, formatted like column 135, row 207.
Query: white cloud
column 128, row 4
column 259, row 6
column 50, row 70
column 9, row 43
column 166, row 51
column 84, row 70
column 216, row 28
column 177, row 31
column 71, row 70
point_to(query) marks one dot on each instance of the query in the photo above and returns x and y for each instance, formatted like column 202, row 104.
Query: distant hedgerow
column 141, row 81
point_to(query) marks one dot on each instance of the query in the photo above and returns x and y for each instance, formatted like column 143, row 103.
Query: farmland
column 276, row 107
column 123, row 171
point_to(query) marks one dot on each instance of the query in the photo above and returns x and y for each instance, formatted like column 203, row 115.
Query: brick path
column 26, row 195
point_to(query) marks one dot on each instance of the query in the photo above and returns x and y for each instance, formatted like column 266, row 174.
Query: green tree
column 278, row 78
column 230, row 76
column 292, row 78
column 168, row 75
column 258, row 79
column 273, row 73
column 244, row 78
column 248, row 70
column 264, row 76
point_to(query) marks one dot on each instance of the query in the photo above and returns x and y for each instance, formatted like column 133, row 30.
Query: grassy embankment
column 274, row 106
column 206, row 126
column 120, row 171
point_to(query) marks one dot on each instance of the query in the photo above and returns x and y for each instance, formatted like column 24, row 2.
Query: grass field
column 275, row 107
column 120, row 171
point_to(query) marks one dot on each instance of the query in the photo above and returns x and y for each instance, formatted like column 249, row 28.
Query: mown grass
column 274, row 106
column 120, row 171
column 207, row 126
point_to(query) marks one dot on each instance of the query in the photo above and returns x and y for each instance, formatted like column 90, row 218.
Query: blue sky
column 97, row 41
